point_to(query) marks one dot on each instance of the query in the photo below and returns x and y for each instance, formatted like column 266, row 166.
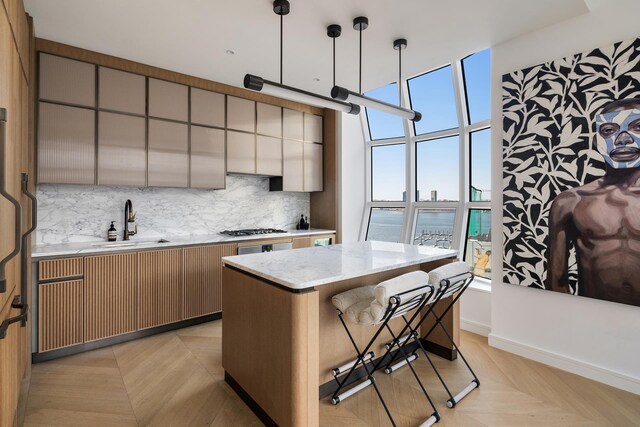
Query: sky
column 437, row 161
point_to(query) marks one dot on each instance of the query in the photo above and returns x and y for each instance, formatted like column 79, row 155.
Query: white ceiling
column 192, row 36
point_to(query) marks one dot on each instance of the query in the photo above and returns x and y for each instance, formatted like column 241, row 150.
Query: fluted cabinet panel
column 60, row 268
column 109, row 295
column 66, row 80
column 60, row 315
column 203, row 279
column 159, row 287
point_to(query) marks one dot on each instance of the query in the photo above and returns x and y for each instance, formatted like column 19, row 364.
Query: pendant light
column 343, row 94
column 253, row 82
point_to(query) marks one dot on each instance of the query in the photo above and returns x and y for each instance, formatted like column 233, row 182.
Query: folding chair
column 377, row 305
column 450, row 279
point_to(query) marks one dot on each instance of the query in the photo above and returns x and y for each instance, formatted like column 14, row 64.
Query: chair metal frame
column 399, row 305
column 448, row 287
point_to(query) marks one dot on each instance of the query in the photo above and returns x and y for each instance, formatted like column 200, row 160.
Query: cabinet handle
column 24, row 308
column 10, row 198
column 24, row 256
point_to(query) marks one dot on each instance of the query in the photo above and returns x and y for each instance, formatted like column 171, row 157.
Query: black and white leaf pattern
column 548, row 128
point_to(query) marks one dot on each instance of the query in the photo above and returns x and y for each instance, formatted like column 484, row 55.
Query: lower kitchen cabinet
column 60, row 320
column 109, row 295
column 159, row 287
column 203, row 279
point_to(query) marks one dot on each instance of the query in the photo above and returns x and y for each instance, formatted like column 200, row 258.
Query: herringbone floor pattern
column 176, row 379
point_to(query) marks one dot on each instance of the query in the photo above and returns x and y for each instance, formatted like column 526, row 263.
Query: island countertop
column 302, row 269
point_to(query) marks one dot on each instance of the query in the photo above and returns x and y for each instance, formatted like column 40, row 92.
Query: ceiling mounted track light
column 253, row 82
column 343, row 94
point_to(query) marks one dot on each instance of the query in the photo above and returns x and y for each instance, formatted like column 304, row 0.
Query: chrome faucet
column 129, row 216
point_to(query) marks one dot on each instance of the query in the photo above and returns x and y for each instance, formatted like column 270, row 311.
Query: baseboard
column 475, row 327
column 569, row 364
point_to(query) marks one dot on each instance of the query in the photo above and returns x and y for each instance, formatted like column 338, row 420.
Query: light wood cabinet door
column 121, row 91
column 312, row 167
column 11, row 369
column 159, row 287
column 168, row 154
column 301, row 242
column 312, row 128
column 268, row 156
column 109, row 295
column 241, row 114
column 292, row 124
column 60, row 320
column 292, row 165
column 122, row 151
column 241, row 152
column 168, row 100
column 67, row 80
column 203, row 279
column 269, row 120
column 207, row 108
column 207, row 158
column 66, row 145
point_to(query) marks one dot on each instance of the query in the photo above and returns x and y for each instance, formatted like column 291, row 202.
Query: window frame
column 411, row 205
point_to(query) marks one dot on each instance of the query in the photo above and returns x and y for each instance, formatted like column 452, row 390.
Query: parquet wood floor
column 176, row 379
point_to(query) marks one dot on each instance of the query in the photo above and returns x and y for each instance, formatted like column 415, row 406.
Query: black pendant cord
column 281, row 45
column 334, row 61
column 360, row 66
column 399, row 67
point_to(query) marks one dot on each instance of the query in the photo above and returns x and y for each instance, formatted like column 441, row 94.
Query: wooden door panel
column 159, row 287
column 60, row 315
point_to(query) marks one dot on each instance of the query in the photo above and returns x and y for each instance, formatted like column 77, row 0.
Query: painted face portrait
column 618, row 138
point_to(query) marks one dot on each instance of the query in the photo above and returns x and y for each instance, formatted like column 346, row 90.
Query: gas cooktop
column 251, row 232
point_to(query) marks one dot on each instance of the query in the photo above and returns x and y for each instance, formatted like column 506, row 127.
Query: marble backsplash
column 78, row 213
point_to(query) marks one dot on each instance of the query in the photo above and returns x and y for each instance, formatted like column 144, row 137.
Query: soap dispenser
column 113, row 233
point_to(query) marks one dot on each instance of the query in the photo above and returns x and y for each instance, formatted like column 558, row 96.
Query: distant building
column 434, row 195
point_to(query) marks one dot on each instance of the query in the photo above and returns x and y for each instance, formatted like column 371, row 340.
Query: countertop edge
column 89, row 250
column 314, row 283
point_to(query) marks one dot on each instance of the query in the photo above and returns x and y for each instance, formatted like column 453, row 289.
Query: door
column 168, row 154
column 241, row 114
column 241, row 152
column 122, row 151
column 207, row 158
column 312, row 167
column 203, row 279
column 159, row 287
column 292, row 165
column 109, row 295
column 60, row 320
column 268, row 156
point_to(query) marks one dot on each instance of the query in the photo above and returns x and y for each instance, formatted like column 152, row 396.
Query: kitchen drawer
column 62, row 268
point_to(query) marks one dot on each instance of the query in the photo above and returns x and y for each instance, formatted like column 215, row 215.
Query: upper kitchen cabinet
column 207, row 108
column 241, row 152
column 121, row 91
column 168, row 100
column 67, row 81
column 269, row 120
column 168, row 154
column 312, row 128
column 122, row 153
column 292, row 124
column 292, row 165
column 66, row 144
column 268, row 156
column 241, row 114
column 207, row 158
column 312, row 167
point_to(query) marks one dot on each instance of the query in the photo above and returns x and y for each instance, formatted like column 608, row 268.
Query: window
column 477, row 81
column 477, row 251
column 437, row 169
column 388, row 173
column 430, row 181
column 480, row 156
column 432, row 95
column 384, row 125
column 434, row 227
column 385, row 224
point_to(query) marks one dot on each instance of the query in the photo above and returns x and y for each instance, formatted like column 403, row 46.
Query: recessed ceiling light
column 230, row 52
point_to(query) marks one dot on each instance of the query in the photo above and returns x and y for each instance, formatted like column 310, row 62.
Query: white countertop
column 88, row 248
column 310, row 267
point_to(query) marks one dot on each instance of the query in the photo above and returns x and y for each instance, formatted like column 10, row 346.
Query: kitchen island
column 282, row 336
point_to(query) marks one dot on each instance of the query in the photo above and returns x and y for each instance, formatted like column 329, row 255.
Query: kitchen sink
column 119, row 245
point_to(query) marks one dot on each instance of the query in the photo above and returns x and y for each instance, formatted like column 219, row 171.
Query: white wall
column 597, row 339
column 351, row 167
